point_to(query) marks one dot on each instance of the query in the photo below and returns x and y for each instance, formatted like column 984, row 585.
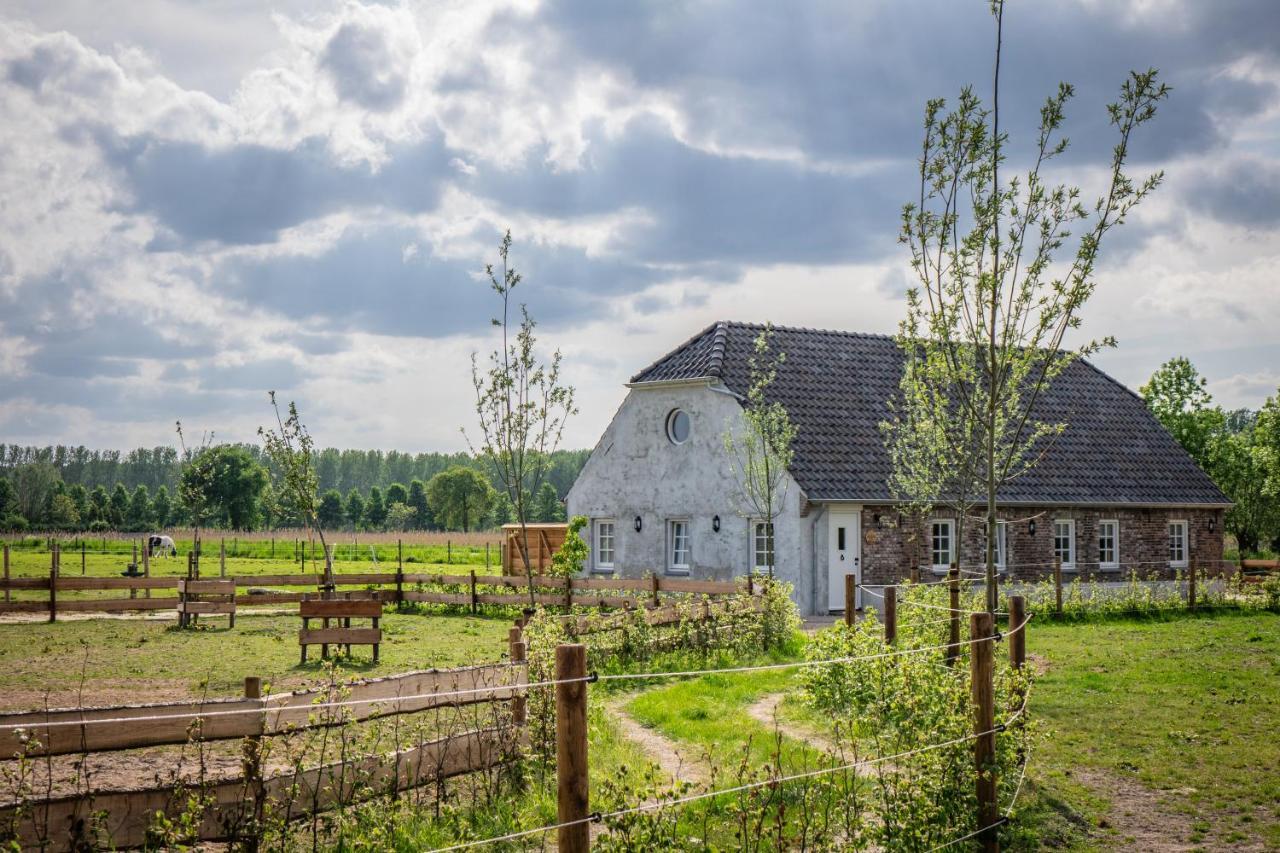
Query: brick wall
column 893, row 541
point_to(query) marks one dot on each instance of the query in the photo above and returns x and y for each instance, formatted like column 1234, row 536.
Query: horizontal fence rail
column 74, row 730
column 465, row 590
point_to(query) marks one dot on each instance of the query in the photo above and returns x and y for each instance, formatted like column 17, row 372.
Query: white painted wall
column 635, row 470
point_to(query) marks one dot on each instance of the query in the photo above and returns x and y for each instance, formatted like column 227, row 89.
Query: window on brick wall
column 942, row 543
column 1109, row 545
column 1064, row 543
column 1178, row 543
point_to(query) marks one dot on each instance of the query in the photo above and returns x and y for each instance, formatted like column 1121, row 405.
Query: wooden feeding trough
column 343, row 610
column 203, row 598
column 545, row 539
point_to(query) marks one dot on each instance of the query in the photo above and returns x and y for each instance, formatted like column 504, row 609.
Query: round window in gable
column 678, row 426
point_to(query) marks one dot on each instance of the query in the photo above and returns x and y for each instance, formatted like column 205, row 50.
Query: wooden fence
column 235, row 806
column 470, row 590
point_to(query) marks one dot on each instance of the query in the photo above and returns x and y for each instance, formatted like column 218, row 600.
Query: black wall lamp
column 1211, row 524
column 1031, row 527
column 715, row 523
column 638, row 524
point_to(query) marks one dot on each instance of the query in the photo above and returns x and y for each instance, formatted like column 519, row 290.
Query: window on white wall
column 1178, row 543
column 1109, row 544
column 942, row 543
column 604, row 545
column 678, row 539
column 762, row 545
column 1064, row 542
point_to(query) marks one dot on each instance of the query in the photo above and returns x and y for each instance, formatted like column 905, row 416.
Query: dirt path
column 765, row 710
column 663, row 751
column 1142, row 823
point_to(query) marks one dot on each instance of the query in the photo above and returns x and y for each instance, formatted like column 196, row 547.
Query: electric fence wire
column 451, row 694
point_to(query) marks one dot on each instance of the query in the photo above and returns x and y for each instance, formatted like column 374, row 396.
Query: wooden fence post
column 133, row 591
column 53, row 584
column 146, row 568
column 253, row 767
column 448, row 551
column 571, row 748
column 1057, row 585
column 914, row 574
column 953, row 627
column 475, row 603
column 890, row 614
column 982, row 688
column 1017, row 638
column 1191, row 584
column 657, row 587
column 486, row 556
column 519, row 652
column 850, row 598
column 399, row 555
column 273, row 546
column 7, row 595
column 82, row 559
column 222, row 556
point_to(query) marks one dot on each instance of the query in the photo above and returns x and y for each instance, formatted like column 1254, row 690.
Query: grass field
column 134, row 660
column 1162, row 733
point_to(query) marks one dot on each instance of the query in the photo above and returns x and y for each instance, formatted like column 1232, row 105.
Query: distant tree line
column 343, row 470
column 236, row 485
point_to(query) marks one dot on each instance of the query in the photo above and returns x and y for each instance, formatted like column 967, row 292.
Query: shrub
column 14, row 522
column 891, row 705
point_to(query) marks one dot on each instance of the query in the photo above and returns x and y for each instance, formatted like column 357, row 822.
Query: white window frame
column 950, row 524
column 771, row 538
column 1112, row 565
column 1185, row 543
column 1002, row 546
column 673, row 567
column 1067, row 565
column 598, row 550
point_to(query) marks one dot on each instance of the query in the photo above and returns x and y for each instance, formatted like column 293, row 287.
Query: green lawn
column 1189, row 709
column 1186, row 710
column 142, row 660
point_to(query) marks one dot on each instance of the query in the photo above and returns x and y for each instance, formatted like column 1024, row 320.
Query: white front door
column 845, row 555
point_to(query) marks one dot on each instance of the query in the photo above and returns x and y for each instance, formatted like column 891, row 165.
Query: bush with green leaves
column 919, row 710
column 573, row 554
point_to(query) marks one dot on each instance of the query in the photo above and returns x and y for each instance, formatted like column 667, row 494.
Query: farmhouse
column 1114, row 494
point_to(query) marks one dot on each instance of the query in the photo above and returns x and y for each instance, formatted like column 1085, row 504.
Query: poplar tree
column 522, row 404
column 987, row 320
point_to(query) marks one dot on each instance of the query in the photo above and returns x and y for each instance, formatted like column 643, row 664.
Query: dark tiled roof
column 836, row 386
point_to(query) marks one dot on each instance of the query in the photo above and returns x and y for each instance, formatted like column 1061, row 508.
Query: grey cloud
column 365, row 282
column 708, row 209
column 60, row 59
column 848, row 82
column 248, row 193
column 362, row 68
column 1242, row 192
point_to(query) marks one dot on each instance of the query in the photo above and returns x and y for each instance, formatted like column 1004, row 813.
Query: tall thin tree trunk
column 993, row 379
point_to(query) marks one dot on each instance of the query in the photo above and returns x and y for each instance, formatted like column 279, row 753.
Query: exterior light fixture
column 1031, row 527
column 1211, row 524
column 638, row 524
column 876, row 518
column 715, row 523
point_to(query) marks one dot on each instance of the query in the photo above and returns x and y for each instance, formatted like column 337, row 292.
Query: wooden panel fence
column 466, row 590
column 124, row 816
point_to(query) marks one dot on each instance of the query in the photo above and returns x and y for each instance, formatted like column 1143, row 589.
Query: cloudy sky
column 203, row 201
